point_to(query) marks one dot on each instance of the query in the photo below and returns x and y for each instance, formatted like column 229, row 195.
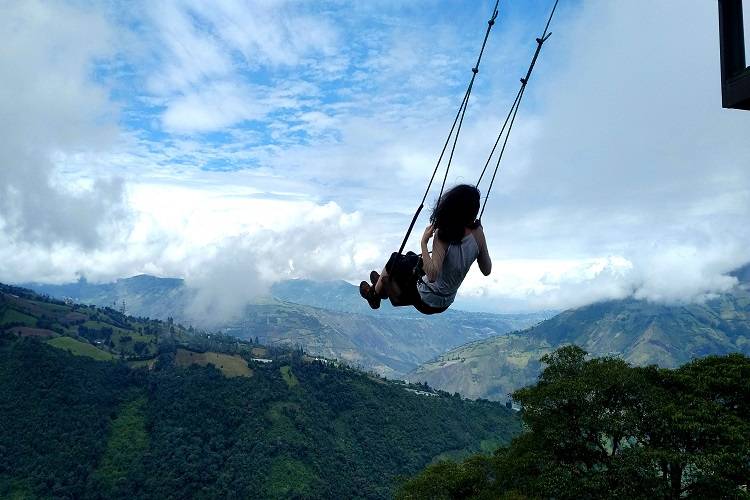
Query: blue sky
column 202, row 72
column 237, row 143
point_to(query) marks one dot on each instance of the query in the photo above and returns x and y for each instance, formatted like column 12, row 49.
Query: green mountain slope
column 99, row 333
column 489, row 369
column 640, row 332
column 194, row 425
column 323, row 318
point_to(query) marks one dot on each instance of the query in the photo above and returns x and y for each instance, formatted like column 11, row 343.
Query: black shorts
column 405, row 270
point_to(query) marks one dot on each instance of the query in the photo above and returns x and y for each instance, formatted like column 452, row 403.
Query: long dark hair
column 456, row 210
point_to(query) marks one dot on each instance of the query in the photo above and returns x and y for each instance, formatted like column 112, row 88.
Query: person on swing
column 458, row 242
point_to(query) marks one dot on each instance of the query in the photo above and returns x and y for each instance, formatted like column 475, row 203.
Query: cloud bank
column 50, row 105
column 264, row 140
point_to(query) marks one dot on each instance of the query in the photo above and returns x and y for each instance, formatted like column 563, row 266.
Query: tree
column 600, row 428
column 584, row 417
column 139, row 347
column 698, row 431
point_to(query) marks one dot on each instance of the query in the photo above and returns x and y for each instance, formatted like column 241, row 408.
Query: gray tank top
column 457, row 261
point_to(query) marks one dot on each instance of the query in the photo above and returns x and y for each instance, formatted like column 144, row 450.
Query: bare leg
column 387, row 288
column 381, row 284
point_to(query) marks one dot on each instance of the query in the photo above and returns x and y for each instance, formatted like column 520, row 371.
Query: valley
column 640, row 332
column 326, row 319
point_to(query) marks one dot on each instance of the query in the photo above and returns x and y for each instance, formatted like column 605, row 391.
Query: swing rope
column 511, row 117
column 458, row 120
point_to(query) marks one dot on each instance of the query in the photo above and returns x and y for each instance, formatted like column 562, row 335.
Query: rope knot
column 475, row 70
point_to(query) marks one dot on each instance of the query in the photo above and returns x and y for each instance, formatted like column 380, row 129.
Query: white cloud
column 230, row 242
column 631, row 156
column 213, row 108
column 207, row 52
column 537, row 284
column 189, row 56
column 50, row 105
column 269, row 32
column 319, row 239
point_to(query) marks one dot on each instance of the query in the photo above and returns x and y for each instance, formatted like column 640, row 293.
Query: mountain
column 332, row 295
column 144, row 295
column 323, row 318
column 489, row 369
column 389, row 345
column 344, row 297
column 86, row 415
column 742, row 274
column 640, row 332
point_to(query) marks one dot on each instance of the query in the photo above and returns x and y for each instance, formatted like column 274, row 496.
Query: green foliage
column 288, row 376
column 76, row 428
column 11, row 316
column 290, row 478
column 601, row 428
column 78, row 348
column 54, row 417
column 342, row 435
column 72, row 427
column 127, row 444
column 446, row 480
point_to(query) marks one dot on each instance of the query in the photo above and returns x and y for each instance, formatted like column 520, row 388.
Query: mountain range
column 326, row 319
column 479, row 355
column 639, row 331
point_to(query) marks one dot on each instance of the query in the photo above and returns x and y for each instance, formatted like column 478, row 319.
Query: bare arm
column 483, row 259
column 432, row 264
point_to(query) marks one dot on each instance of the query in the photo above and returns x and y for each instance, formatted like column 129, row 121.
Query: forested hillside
column 207, row 416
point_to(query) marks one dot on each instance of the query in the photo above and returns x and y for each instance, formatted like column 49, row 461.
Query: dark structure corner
column 735, row 75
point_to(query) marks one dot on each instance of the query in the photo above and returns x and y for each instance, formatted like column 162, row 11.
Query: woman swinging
column 459, row 241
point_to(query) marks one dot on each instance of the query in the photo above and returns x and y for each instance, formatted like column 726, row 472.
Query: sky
column 238, row 143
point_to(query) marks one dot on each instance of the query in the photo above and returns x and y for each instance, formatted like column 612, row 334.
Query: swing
column 411, row 260
column 459, row 119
